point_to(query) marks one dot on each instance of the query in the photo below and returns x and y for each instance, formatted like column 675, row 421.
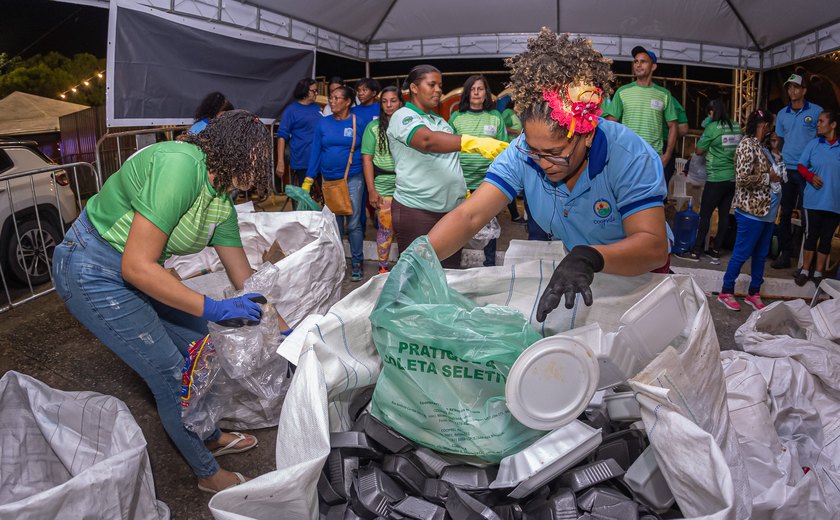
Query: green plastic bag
column 304, row 201
column 445, row 362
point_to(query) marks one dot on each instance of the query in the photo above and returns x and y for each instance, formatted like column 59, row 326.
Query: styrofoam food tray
column 546, row 459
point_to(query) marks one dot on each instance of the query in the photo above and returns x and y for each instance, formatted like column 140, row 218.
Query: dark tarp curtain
column 162, row 70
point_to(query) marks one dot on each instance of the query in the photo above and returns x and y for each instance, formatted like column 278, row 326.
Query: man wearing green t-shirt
column 645, row 108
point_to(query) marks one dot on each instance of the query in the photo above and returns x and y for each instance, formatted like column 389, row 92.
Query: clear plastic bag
column 197, row 379
column 250, row 379
column 490, row 231
column 242, row 350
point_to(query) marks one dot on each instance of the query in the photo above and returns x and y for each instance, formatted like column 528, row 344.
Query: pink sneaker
column 755, row 301
column 729, row 301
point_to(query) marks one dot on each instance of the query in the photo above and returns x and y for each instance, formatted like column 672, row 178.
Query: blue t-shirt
column 824, row 160
column 796, row 127
column 297, row 124
column 365, row 113
column 198, row 126
column 624, row 176
column 331, row 147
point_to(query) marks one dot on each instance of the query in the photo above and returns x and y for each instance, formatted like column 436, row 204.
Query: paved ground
column 41, row 339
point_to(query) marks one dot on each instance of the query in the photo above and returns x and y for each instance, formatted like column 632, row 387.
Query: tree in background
column 51, row 74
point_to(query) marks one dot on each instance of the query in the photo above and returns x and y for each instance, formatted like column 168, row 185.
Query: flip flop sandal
column 239, row 477
column 231, row 447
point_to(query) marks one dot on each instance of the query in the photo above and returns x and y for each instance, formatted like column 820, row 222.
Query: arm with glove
column 314, row 166
column 141, row 269
column 427, row 140
column 644, row 249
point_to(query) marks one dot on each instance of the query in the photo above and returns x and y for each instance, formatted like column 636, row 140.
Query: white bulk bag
column 71, row 455
column 337, row 358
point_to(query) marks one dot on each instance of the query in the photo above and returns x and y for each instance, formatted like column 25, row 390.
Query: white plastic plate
column 551, row 382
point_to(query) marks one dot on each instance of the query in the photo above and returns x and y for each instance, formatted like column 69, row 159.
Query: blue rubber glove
column 242, row 307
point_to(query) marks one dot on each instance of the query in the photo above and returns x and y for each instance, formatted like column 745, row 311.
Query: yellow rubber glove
column 307, row 184
column 467, row 195
column 486, row 146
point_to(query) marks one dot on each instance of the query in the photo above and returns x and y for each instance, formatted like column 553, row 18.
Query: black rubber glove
column 574, row 275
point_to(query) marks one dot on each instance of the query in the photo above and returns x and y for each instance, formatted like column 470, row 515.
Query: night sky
column 39, row 26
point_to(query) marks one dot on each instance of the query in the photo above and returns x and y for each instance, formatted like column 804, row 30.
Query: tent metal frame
column 273, row 23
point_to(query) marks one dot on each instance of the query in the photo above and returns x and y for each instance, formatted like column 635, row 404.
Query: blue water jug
column 686, row 223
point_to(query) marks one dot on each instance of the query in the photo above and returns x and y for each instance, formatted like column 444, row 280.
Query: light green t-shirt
column 644, row 110
column 512, row 122
column 430, row 181
column 166, row 183
column 720, row 142
column 478, row 124
column 384, row 184
column 682, row 118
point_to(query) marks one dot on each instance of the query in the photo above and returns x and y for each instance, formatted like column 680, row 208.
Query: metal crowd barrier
column 43, row 208
column 123, row 152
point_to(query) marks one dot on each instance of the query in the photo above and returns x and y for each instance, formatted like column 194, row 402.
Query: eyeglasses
column 313, row 90
column 336, row 98
column 559, row 160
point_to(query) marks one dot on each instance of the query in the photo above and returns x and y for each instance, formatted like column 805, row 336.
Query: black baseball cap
column 638, row 48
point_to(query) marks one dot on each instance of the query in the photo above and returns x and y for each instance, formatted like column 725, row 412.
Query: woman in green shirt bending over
column 379, row 171
column 170, row 198
column 719, row 141
column 477, row 115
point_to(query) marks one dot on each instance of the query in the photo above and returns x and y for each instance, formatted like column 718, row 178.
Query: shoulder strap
column 352, row 148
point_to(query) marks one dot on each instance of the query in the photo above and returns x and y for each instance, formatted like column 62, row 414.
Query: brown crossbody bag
column 336, row 193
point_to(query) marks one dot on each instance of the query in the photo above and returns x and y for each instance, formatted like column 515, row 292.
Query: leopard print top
column 752, row 178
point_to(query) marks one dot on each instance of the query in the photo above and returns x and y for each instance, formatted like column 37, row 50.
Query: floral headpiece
column 576, row 108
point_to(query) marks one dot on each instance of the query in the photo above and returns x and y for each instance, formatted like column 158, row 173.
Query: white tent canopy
column 165, row 55
column 733, row 33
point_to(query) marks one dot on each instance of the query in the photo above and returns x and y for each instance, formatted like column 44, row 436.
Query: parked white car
column 28, row 247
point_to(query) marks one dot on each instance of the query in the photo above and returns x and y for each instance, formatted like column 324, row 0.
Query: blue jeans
column 752, row 240
column 148, row 336
column 355, row 231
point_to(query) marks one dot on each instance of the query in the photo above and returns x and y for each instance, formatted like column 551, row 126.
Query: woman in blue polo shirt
column 819, row 165
column 336, row 142
column 591, row 183
column 297, row 125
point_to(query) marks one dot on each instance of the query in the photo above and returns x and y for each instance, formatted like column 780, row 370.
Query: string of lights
column 83, row 84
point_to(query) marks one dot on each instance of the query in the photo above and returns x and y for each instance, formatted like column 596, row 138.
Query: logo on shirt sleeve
column 407, row 120
column 602, row 208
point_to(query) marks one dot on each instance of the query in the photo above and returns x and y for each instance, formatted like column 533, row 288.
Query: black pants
column 820, row 226
column 791, row 199
column 669, row 170
column 715, row 195
column 514, row 210
column 535, row 232
column 298, row 176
